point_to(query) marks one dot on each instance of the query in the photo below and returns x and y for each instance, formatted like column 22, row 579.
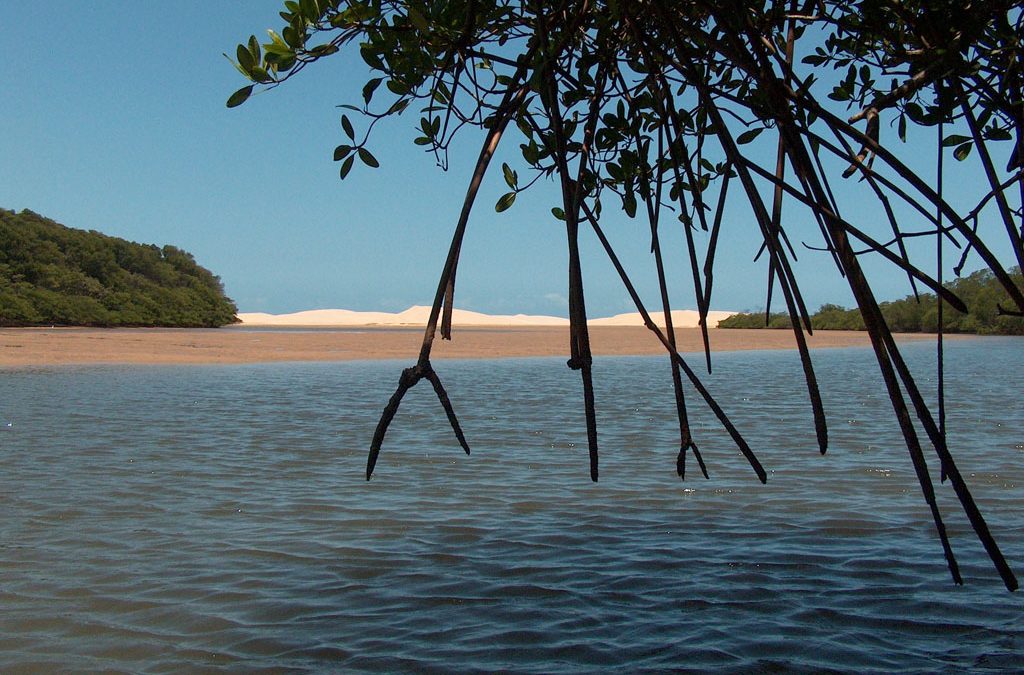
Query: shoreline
column 237, row 345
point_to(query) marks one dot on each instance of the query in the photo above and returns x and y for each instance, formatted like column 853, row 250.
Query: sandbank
column 66, row 346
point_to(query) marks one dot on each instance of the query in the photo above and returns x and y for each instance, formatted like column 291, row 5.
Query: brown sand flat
column 57, row 346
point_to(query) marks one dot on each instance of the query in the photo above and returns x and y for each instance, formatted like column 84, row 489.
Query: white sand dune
column 414, row 316
column 681, row 318
column 418, row 315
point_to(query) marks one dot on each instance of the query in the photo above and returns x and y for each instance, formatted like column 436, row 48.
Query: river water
column 216, row 518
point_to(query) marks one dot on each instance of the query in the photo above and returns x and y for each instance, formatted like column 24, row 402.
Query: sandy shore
column 57, row 346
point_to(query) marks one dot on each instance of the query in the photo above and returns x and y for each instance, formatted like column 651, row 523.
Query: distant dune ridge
column 418, row 315
column 681, row 318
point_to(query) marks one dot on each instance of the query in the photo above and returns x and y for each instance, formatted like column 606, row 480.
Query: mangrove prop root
column 737, row 438
column 446, row 403
column 681, row 460
column 408, row 379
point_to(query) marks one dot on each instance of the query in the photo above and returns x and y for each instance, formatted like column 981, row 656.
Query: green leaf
column 292, row 37
column 961, row 152
column 276, row 43
column 245, row 59
column 371, row 87
column 346, row 166
column 397, row 87
column 442, row 92
column 506, row 201
column 371, row 57
column 238, row 67
column 240, row 96
column 309, row 11
column 285, row 64
column 510, row 176
column 368, row 159
column 341, row 152
column 254, row 48
column 839, row 94
column 994, row 133
column 422, row 140
column 629, row 204
column 399, row 106
column 323, row 50
column 954, row 139
column 417, row 20
column 347, row 126
column 748, row 136
column 531, row 152
column 261, row 75
column 851, row 77
column 558, row 213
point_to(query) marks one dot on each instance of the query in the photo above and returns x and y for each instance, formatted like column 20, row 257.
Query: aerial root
column 409, row 378
column 446, row 403
column 681, row 460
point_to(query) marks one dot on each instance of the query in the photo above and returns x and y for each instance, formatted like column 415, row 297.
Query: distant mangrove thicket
column 981, row 292
column 52, row 274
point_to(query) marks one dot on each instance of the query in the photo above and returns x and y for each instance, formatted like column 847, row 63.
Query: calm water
column 159, row 519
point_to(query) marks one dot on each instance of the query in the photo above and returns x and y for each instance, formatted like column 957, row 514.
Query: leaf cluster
column 55, row 275
column 980, row 291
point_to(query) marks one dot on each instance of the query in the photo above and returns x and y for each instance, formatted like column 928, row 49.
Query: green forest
column 56, row 275
column 980, row 291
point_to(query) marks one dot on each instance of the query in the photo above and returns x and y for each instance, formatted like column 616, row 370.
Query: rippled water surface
column 216, row 517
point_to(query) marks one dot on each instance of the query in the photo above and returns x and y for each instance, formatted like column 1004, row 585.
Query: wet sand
column 61, row 346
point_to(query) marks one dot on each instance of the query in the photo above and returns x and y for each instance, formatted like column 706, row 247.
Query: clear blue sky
column 113, row 119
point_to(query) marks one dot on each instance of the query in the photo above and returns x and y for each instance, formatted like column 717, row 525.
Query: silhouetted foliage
column 981, row 292
column 55, row 275
column 657, row 107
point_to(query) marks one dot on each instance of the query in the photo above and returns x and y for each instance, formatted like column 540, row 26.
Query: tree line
column 55, row 275
column 980, row 291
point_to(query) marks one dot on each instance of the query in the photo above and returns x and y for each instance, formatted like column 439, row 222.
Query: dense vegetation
column 981, row 292
column 52, row 274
